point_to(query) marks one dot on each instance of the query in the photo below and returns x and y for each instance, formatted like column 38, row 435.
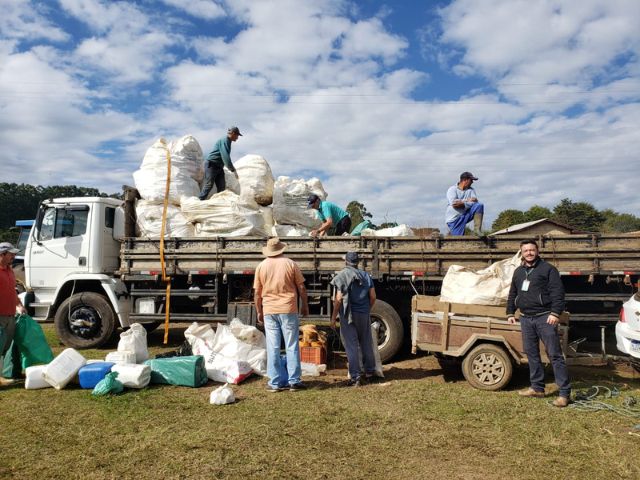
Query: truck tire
column 151, row 326
column 487, row 367
column 391, row 331
column 85, row 320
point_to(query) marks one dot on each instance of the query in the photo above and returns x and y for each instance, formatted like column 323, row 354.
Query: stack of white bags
column 254, row 204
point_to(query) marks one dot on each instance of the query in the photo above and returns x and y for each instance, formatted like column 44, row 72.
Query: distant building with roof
column 544, row 226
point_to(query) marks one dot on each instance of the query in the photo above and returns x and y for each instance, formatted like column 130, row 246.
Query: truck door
column 60, row 245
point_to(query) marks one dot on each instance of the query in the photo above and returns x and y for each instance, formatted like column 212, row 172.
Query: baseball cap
column 312, row 199
column 234, row 130
column 7, row 247
column 351, row 258
column 464, row 175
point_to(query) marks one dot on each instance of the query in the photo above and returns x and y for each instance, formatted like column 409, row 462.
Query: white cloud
column 21, row 19
column 206, row 9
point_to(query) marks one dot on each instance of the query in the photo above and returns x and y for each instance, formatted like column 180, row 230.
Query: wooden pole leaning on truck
column 165, row 278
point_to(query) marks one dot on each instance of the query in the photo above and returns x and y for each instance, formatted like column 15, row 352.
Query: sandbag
column 149, row 221
column 109, row 384
column 222, row 395
column 184, row 371
column 63, row 368
column 134, row 340
column 489, row 286
column 133, row 375
column 255, row 178
column 290, row 201
column 34, row 378
column 223, row 215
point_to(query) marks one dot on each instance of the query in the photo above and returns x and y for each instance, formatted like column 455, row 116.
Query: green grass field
column 423, row 422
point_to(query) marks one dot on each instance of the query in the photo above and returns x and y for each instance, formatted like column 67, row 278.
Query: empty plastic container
column 34, row 378
column 92, row 373
column 63, row 368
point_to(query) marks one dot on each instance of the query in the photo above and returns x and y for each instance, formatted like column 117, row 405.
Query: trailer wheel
column 390, row 333
column 85, row 320
column 487, row 367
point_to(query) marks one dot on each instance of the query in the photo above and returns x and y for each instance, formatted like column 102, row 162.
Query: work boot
column 530, row 392
column 477, row 223
column 561, row 402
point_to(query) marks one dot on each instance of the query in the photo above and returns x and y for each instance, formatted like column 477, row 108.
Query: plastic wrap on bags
column 109, row 384
column 256, row 179
column 149, row 221
column 290, row 201
column 223, row 215
column 222, row 395
column 134, row 340
column 183, row 371
column 489, row 286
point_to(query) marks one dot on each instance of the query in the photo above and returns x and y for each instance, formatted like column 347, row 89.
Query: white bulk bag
column 399, row 231
column 256, row 179
column 134, row 340
column 290, row 231
column 223, row 215
column 228, row 345
column 201, row 337
column 149, row 221
column 290, row 201
column 489, row 286
column 186, row 155
column 226, row 370
column 133, row 375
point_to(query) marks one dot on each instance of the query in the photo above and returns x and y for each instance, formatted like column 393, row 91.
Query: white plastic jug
column 35, row 378
column 121, row 357
column 63, row 368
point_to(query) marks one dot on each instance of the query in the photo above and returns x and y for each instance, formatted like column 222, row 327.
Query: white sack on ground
column 186, row 170
column 149, row 221
column 256, row 179
column 134, row 340
column 399, row 231
column 290, row 201
column 223, row 215
column 290, row 231
column 222, row 395
column 489, row 286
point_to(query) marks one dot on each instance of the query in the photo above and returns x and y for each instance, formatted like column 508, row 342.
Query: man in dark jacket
column 537, row 290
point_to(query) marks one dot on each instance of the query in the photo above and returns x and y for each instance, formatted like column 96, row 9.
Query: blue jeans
column 535, row 329
column 356, row 337
column 213, row 173
column 458, row 225
column 276, row 327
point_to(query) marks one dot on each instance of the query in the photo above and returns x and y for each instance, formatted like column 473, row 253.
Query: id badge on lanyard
column 525, row 285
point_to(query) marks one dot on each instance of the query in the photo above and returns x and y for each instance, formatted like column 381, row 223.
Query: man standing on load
column 215, row 162
column 330, row 215
column 537, row 290
column 463, row 206
column 9, row 303
column 278, row 283
column 354, row 297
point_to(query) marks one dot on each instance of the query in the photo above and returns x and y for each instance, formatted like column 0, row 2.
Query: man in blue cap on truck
column 463, row 206
column 215, row 162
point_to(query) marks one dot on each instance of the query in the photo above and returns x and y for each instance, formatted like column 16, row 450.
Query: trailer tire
column 487, row 367
column 85, row 320
column 391, row 331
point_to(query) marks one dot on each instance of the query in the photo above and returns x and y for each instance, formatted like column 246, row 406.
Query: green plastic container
column 185, row 371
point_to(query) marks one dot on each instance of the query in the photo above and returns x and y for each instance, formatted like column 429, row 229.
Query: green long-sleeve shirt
column 221, row 154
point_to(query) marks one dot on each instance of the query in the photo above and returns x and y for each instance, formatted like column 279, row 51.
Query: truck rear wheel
column 487, row 367
column 85, row 320
column 390, row 333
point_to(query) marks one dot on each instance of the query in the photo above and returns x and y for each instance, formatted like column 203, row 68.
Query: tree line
column 578, row 215
column 20, row 202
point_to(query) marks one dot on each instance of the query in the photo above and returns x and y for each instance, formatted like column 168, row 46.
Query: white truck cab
column 70, row 260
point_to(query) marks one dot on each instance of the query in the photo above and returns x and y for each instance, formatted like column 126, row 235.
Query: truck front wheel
column 487, row 367
column 390, row 332
column 85, row 320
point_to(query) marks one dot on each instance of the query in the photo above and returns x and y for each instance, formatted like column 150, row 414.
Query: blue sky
column 387, row 102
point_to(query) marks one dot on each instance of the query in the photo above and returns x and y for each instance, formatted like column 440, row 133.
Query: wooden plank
column 445, row 328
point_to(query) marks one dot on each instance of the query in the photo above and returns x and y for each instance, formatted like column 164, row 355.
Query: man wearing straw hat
column 278, row 283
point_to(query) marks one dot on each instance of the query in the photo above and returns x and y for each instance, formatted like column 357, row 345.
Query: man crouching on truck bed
column 278, row 282
column 536, row 289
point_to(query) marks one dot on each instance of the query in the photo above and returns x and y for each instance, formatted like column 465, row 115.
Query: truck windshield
column 63, row 222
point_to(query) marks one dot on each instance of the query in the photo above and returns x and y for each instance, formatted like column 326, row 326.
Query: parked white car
column 628, row 327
